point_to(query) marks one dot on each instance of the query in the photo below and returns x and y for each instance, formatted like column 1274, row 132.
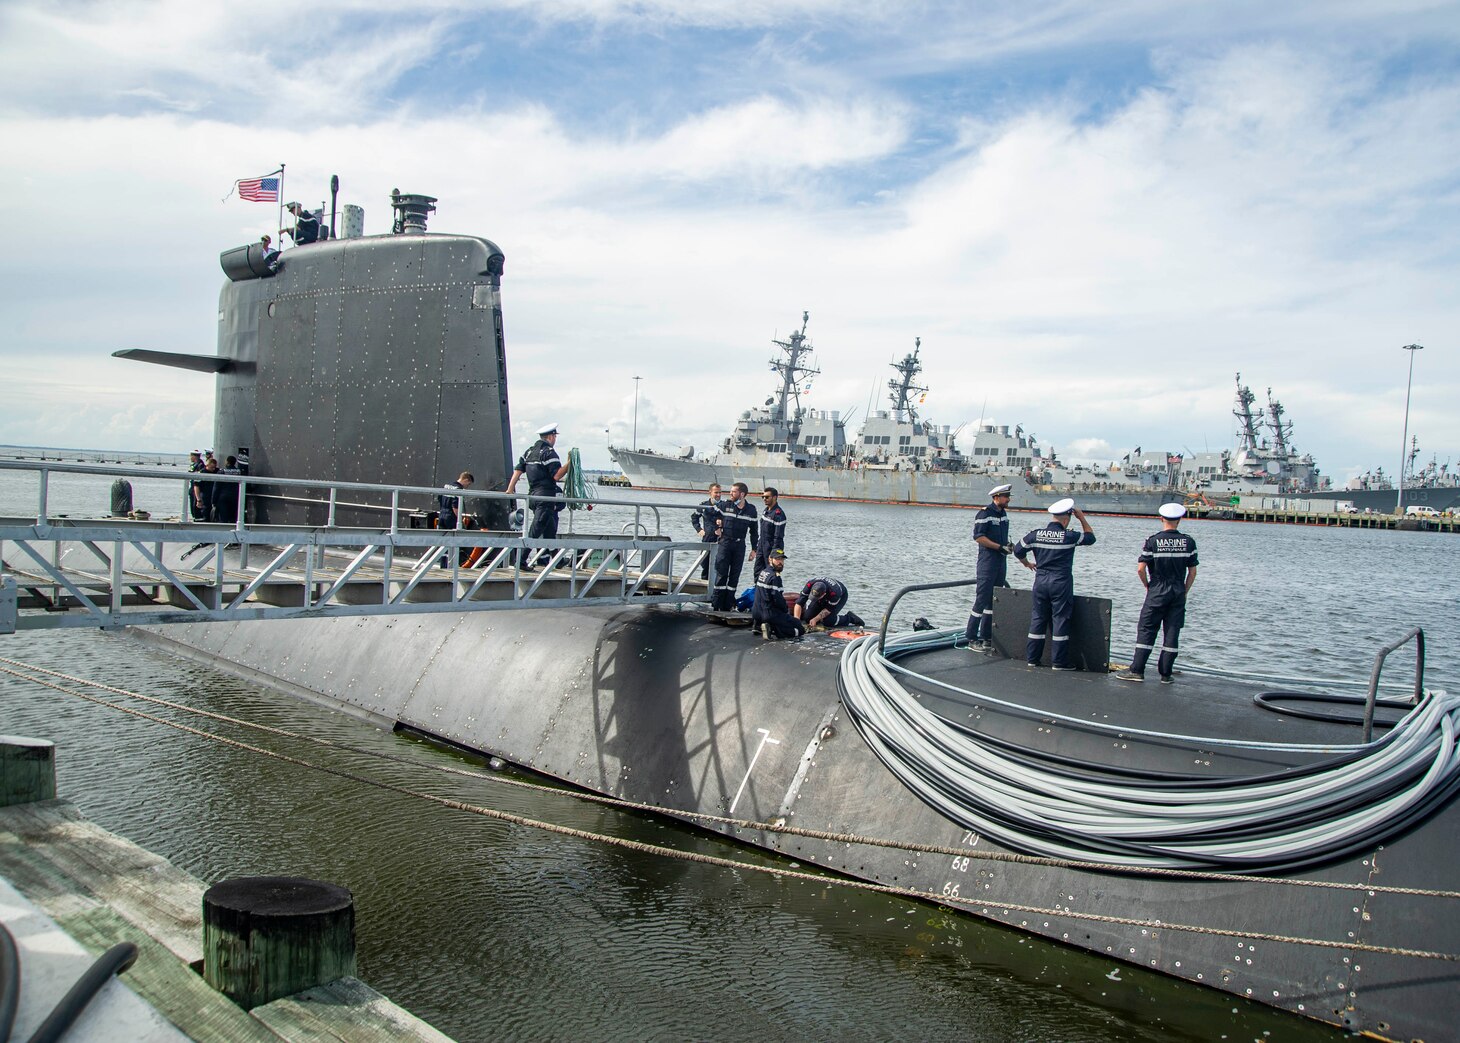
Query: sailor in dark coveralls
column 820, row 601
column 706, row 520
column 306, row 226
column 991, row 533
column 768, row 614
column 737, row 516
column 1054, row 585
column 772, row 533
column 543, row 469
column 1167, row 567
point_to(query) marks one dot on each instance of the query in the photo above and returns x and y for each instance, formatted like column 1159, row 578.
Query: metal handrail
column 1418, row 635
column 887, row 615
column 44, row 470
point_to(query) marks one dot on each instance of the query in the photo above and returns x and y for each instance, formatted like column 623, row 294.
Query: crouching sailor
column 820, row 601
column 769, row 614
column 1054, row 586
column 1167, row 567
column 991, row 533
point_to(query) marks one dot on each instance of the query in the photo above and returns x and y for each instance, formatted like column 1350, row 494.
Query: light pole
column 636, row 412
column 1404, row 446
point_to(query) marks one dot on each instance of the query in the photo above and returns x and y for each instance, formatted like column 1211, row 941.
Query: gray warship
column 907, row 763
column 900, row 457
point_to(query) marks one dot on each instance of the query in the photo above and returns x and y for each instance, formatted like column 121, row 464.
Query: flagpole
column 280, row 201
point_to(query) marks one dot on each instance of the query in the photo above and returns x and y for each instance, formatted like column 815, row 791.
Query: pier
column 1327, row 519
column 71, row 891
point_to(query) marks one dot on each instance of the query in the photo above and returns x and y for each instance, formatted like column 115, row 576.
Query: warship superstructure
column 899, row 456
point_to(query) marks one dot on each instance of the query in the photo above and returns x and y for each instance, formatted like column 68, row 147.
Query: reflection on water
column 493, row 930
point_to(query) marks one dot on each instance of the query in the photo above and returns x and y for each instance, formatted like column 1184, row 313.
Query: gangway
column 61, row 572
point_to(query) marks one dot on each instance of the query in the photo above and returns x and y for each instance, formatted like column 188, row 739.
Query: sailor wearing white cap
column 1054, row 584
column 543, row 469
column 1167, row 568
column 991, row 533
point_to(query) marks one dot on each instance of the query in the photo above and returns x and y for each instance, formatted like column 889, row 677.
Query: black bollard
column 27, row 770
column 266, row 937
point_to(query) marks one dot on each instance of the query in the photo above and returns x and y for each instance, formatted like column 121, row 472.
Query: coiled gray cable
column 1359, row 795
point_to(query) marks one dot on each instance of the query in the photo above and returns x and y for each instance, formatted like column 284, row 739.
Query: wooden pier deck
column 100, row 889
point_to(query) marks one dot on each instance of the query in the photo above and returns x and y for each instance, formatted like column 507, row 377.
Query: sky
column 1093, row 215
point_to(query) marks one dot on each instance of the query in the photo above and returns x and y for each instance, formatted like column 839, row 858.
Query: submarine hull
column 665, row 708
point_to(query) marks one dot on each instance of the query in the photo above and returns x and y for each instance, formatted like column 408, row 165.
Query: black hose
column 9, row 983
column 110, row 963
column 1275, row 702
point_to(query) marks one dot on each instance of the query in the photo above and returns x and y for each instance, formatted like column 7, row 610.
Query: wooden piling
column 266, row 937
column 27, row 770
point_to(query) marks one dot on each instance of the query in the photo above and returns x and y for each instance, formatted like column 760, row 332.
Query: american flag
column 259, row 189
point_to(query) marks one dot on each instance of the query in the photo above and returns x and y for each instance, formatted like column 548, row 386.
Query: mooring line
column 738, row 823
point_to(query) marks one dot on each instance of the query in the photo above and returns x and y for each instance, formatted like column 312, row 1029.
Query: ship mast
column 1246, row 419
column 902, row 389
column 790, row 369
column 1281, row 432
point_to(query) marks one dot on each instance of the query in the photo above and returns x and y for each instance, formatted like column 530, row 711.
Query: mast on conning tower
column 790, row 370
column 902, row 389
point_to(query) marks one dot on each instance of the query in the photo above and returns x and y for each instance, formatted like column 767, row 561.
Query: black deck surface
column 1194, row 705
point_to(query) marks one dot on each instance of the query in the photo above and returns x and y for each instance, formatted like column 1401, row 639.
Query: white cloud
column 1279, row 209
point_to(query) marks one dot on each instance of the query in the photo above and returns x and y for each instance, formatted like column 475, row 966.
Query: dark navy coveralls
column 705, row 520
column 306, row 228
column 818, row 594
column 1167, row 555
column 770, row 605
column 1054, row 589
column 538, row 465
column 772, row 536
column 737, row 520
column 992, row 570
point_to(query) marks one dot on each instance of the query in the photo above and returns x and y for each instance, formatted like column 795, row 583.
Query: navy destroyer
column 1315, row 874
column 898, row 456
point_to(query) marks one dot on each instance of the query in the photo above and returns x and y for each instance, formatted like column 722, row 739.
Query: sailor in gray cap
column 1054, row 586
column 991, row 533
column 543, row 470
column 1167, row 568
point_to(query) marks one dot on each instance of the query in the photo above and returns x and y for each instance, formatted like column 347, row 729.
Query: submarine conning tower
column 374, row 358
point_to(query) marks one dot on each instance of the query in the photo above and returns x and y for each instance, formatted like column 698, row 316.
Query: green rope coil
column 575, row 487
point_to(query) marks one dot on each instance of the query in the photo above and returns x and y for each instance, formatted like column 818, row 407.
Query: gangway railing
column 68, row 572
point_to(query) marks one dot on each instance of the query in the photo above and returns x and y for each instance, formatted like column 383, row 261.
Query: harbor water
column 493, row 930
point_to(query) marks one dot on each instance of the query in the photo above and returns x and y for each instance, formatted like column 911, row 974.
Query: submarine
column 1276, row 856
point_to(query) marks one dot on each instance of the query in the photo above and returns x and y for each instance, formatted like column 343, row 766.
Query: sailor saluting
column 991, row 533
column 1054, row 585
column 1167, row 567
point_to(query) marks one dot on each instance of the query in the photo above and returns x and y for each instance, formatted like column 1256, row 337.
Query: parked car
column 1420, row 511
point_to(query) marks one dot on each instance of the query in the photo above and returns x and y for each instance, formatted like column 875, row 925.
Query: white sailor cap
column 547, row 429
column 999, row 490
column 1064, row 506
column 1171, row 511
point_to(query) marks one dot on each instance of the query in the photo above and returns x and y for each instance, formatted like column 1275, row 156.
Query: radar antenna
column 903, row 389
column 791, row 370
column 1281, row 432
column 1247, row 420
